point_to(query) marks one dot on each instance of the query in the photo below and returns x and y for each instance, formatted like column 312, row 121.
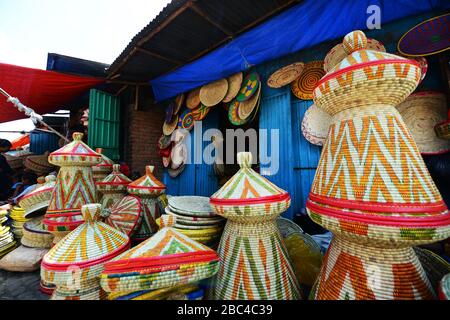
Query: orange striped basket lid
column 75, row 153
column 115, row 181
column 147, row 184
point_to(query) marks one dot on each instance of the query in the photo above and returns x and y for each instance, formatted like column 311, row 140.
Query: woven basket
column 193, row 99
column 159, row 294
column 247, row 107
column 39, row 164
column 442, row 129
column 234, row 85
column 34, row 235
column 315, row 125
column 105, row 167
column 352, row 271
column 15, row 163
column 249, row 87
column 435, row 267
column 304, row 85
column 169, row 127
column 64, row 293
column 285, row 75
column 213, row 93
column 126, row 215
column 444, row 288
column 39, row 198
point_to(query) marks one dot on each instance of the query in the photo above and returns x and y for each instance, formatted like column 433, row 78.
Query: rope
column 30, row 113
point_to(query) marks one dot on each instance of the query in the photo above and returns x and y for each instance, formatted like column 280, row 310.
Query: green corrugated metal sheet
column 104, row 119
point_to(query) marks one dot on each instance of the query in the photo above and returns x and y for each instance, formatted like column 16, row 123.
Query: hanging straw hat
column 246, row 107
column 213, row 93
column 193, row 99
column 285, row 75
column 421, row 112
column 167, row 259
column 39, row 163
column 179, row 100
column 337, row 54
column 39, row 198
column 427, row 38
column 315, row 125
column 15, row 163
column 234, row 85
column 125, row 215
column 249, row 87
column 88, row 247
column 169, row 127
column 304, row 85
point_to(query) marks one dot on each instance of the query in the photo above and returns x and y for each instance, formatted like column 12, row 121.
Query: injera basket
column 315, row 125
column 234, row 85
column 113, row 187
column 304, row 85
column 254, row 261
column 85, row 249
column 39, row 164
column 421, row 111
column 246, row 107
column 39, row 198
column 167, row 259
column 148, row 188
column 249, row 87
column 213, row 93
column 285, row 75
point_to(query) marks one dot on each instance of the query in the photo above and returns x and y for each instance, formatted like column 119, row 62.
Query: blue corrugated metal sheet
column 41, row 141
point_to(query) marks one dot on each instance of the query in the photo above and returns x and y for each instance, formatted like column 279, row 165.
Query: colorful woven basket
column 304, row 85
column 84, row 250
column 372, row 188
column 74, row 186
column 193, row 99
column 113, row 187
column 428, row 37
column 148, row 189
column 247, row 107
column 125, row 215
column 167, row 259
column 249, row 87
column 186, row 120
column 39, row 164
column 159, row 294
column 285, row 75
column 254, row 261
column 105, row 167
column 315, row 125
column 35, row 236
column 65, row 293
column 421, row 112
column 39, row 198
column 234, row 85
column 213, row 93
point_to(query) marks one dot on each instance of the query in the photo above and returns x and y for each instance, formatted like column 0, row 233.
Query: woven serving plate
column 191, row 206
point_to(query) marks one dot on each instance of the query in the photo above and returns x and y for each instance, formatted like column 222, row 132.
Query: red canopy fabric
column 20, row 142
column 43, row 91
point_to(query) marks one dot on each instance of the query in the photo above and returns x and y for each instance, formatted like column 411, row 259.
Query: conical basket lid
column 105, row 165
column 90, row 244
column 147, row 184
column 247, row 187
column 167, row 247
column 364, row 75
column 75, row 153
column 38, row 198
column 114, row 181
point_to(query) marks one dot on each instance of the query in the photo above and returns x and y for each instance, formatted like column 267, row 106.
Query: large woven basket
column 39, row 198
column 39, row 163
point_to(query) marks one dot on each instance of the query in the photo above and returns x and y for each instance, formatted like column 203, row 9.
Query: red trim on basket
column 32, row 193
column 247, row 201
column 101, row 183
column 68, row 214
column 160, row 261
column 149, row 188
column 372, row 206
column 435, row 221
column 365, row 64
column 59, row 266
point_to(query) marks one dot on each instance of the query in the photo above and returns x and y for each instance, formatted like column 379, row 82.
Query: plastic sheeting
column 43, row 91
column 300, row 27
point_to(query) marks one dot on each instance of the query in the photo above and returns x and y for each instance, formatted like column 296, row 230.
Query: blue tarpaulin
column 304, row 25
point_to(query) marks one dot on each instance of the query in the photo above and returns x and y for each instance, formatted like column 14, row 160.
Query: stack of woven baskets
column 7, row 242
column 75, row 263
column 195, row 218
column 17, row 215
column 113, row 187
column 163, row 264
column 254, row 260
column 372, row 188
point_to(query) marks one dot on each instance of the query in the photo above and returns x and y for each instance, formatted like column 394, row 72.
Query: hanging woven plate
column 315, row 125
column 201, row 112
column 179, row 100
column 304, row 85
column 186, row 120
column 285, row 75
column 193, row 99
column 125, row 215
column 234, row 85
column 249, row 87
column 233, row 114
column 337, row 54
column 213, row 93
column 246, row 107
column 170, row 127
column 428, row 37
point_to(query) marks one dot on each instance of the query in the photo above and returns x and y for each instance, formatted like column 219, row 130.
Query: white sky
column 95, row 30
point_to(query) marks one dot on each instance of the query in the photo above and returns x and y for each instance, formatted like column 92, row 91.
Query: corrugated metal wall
column 43, row 141
column 196, row 179
column 104, row 119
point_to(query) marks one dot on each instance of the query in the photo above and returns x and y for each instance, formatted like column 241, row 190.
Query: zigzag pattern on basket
column 149, row 214
column 352, row 271
column 254, row 272
column 375, row 159
column 126, row 215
